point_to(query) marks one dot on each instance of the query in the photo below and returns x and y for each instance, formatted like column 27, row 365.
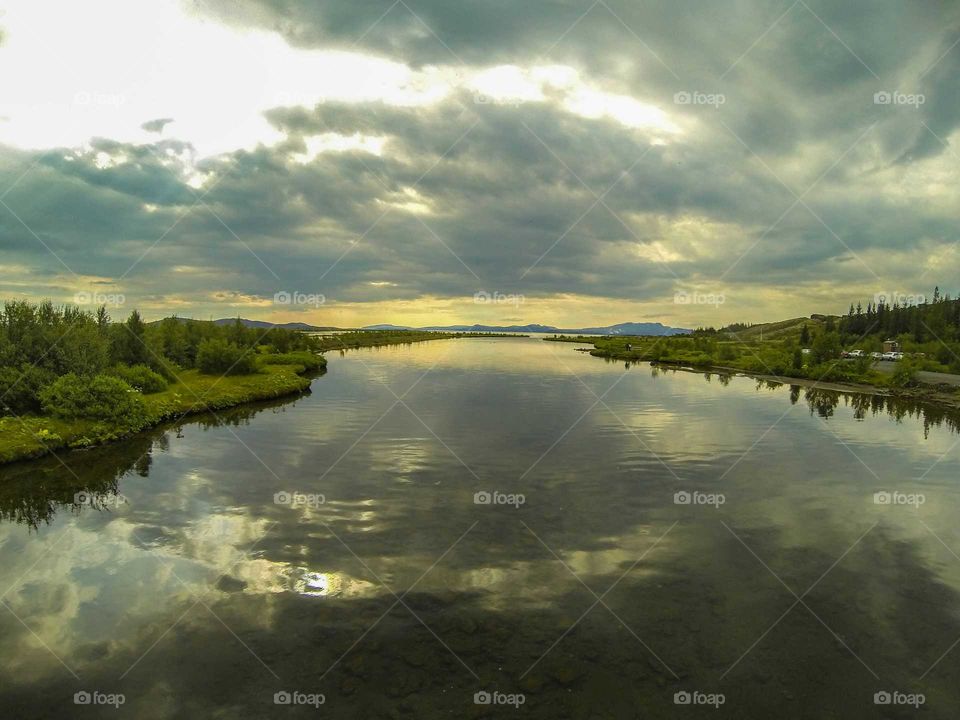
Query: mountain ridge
column 628, row 328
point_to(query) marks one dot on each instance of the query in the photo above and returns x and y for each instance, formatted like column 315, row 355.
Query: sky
column 425, row 162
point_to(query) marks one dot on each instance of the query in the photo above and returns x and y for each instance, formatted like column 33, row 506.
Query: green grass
column 766, row 357
column 779, row 330
column 32, row 437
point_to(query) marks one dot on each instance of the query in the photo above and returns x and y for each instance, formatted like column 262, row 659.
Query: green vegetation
column 101, row 397
column 815, row 348
column 216, row 356
column 930, row 331
column 31, row 436
column 310, row 362
column 140, row 378
column 70, row 378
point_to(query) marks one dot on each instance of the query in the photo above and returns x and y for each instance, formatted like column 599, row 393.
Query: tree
column 130, row 346
column 805, row 335
column 218, row 357
column 826, row 346
column 797, row 359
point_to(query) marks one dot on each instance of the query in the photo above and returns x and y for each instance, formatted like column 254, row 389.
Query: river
column 493, row 528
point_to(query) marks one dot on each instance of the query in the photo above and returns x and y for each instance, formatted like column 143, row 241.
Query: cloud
column 739, row 149
column 156, row 126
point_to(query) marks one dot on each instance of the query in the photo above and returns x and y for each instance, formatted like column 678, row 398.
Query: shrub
column 218, row 357
column 20, row 389
column 140, row 378
column 904, row 373
column 308, row 360
column 101, row 397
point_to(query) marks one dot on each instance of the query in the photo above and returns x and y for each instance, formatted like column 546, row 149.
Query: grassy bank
column 193, row 392
column 780, row 358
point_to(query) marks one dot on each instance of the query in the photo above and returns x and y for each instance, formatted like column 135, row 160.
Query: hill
column 629, row 328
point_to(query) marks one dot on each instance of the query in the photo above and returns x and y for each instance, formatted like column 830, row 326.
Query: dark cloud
column 156, row 126
column 468, row 196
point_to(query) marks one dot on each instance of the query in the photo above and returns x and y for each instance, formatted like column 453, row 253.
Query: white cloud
column 108, row 66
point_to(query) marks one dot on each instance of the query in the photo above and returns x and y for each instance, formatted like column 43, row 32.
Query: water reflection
column 384, row 586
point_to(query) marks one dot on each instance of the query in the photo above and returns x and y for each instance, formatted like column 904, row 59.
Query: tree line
column 54, row 357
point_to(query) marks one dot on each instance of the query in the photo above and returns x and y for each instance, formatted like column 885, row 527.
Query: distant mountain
column 621, row 329
column 262, row 324
column 632, row 329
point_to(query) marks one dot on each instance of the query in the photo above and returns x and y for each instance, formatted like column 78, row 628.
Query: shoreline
column 923, row 393
column 34, row 437
column 943, row 395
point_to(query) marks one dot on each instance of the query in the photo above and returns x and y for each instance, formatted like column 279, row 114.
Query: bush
column 904, row 374
column 101, row 397
column 140, row 378
column 20, row 389
column 308, row 360
column 218, row 357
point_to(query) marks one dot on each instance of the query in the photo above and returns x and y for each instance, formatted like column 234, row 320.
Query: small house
column 891, row 346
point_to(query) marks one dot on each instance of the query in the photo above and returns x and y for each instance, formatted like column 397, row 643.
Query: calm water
column 331, row 545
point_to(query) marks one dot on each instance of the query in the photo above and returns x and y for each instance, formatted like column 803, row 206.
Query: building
column 891, row 346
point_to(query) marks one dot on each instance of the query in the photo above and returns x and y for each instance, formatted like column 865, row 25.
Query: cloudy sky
column 576, row 162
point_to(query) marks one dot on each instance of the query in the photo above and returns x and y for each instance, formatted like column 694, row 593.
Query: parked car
column 856, row 354
column 890, row 356
column 876, row 355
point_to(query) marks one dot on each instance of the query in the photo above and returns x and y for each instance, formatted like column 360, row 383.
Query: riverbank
column 31, row 437
column 868, row 381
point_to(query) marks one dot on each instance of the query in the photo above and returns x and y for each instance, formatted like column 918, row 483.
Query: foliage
column 20, row 388
column 904, row 374
column 101, row 397
column 219, row 357
column 140, row 378
column 307, row 360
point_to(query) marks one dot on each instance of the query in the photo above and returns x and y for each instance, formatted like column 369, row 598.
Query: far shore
column 924, row 393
